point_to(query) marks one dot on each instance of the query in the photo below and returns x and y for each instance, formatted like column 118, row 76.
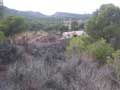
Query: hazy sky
column 49, row 7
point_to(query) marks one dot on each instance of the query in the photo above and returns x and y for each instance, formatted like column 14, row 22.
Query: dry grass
column 28, row 37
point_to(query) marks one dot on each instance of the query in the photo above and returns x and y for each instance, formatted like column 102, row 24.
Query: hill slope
column 38, row 15
column 64, row 15
column 37, row 67
column 29, row 14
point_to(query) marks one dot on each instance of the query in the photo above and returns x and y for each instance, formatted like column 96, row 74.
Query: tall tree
column 104, row 21
column 1, row 9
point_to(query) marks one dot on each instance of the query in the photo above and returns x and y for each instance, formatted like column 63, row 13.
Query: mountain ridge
column 38, row 15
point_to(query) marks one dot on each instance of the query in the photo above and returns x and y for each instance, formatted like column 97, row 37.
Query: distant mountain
column 38, row 15
column 28, row 14
column 64, row 15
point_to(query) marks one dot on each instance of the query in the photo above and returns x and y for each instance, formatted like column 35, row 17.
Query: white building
column 70, row 34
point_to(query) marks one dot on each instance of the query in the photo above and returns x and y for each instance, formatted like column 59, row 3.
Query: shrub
column 87, row 48
column 101, row 50
column 2, row 36
column 115, row 62
column 13, row 25
column 78, row 44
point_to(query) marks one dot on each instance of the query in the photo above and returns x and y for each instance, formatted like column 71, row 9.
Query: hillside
column 45, row 67
column 29, row 14
column 64, row 15
column 38, row 15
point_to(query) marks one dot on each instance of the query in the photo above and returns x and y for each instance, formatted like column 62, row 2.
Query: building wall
column 72, row 33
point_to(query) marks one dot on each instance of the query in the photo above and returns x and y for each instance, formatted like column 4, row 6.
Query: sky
column 49, row 7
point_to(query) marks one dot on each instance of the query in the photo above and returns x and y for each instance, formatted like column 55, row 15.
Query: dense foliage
column 1, row 12
column 86, row 45
column 103, row 31
column 105, row 24
column 78, row 44
column 2, row 36
column 115, row 62
column 101, row 50
column 12, row 25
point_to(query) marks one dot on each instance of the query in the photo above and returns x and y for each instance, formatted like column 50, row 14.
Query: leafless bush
column 46, row 68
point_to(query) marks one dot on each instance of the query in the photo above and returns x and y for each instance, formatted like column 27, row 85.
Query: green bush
column 115, row 62
column 2, row 36
column 101, row 50
column 77, row 45
column 12, row 25
column 105, row 23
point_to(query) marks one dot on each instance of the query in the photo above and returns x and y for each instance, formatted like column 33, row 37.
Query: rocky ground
column 44, row 66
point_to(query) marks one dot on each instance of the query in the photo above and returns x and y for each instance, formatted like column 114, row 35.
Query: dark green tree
column 107, row 15
column 1, row 10
column 12, row 25
column 105, row 23
column 75, row 25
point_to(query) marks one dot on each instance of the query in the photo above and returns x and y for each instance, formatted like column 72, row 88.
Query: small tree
column 75, row 25
column 12, row 25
